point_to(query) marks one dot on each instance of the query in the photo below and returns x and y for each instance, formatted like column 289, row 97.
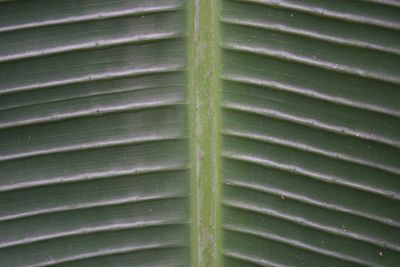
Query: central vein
column 204, row 97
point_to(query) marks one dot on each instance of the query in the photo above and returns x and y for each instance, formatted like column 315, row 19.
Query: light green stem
column 204, row 98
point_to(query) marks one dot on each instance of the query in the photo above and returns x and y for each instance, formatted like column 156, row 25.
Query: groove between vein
column 309, row 122
column 310, row 34
column 318, row 11
column 96, row 204
column 95, row 111
column 90, row 17
column 323, row 64
column 308, row 223
column 91, row 230
column 97, row 77
column 297, row 244
column 92, row 176
column 311, row 149
column 318, row 176
column 309, row 201
column 88, row 146
column 108, row 252
column 267, row 83
column 252, row 259
column 137, row 39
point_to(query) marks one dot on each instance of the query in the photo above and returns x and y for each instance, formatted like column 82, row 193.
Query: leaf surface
column 200, row 133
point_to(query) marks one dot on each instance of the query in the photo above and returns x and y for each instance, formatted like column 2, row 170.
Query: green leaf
column 310, row 115
column 200, row 133
column 94, row 158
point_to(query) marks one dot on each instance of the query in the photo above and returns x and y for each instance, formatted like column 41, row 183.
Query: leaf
column 310, row 114
column 200, row 133
column 94, row 168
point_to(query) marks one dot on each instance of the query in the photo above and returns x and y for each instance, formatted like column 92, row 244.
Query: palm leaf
column 200, row 133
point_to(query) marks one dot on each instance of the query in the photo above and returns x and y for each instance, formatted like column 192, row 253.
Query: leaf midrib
column 204, row 122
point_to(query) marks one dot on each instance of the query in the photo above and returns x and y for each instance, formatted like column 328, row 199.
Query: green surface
column 204, row 124
column 94, row 167
column 201, row 133
column 311, row 133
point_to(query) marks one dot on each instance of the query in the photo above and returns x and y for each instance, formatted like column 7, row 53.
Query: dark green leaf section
column 93, row 154
column 94, row 139
column 310, row 125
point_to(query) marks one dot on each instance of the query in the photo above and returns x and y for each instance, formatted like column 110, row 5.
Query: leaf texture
column 201, row 133
column 93, row 131
column 310, row 114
